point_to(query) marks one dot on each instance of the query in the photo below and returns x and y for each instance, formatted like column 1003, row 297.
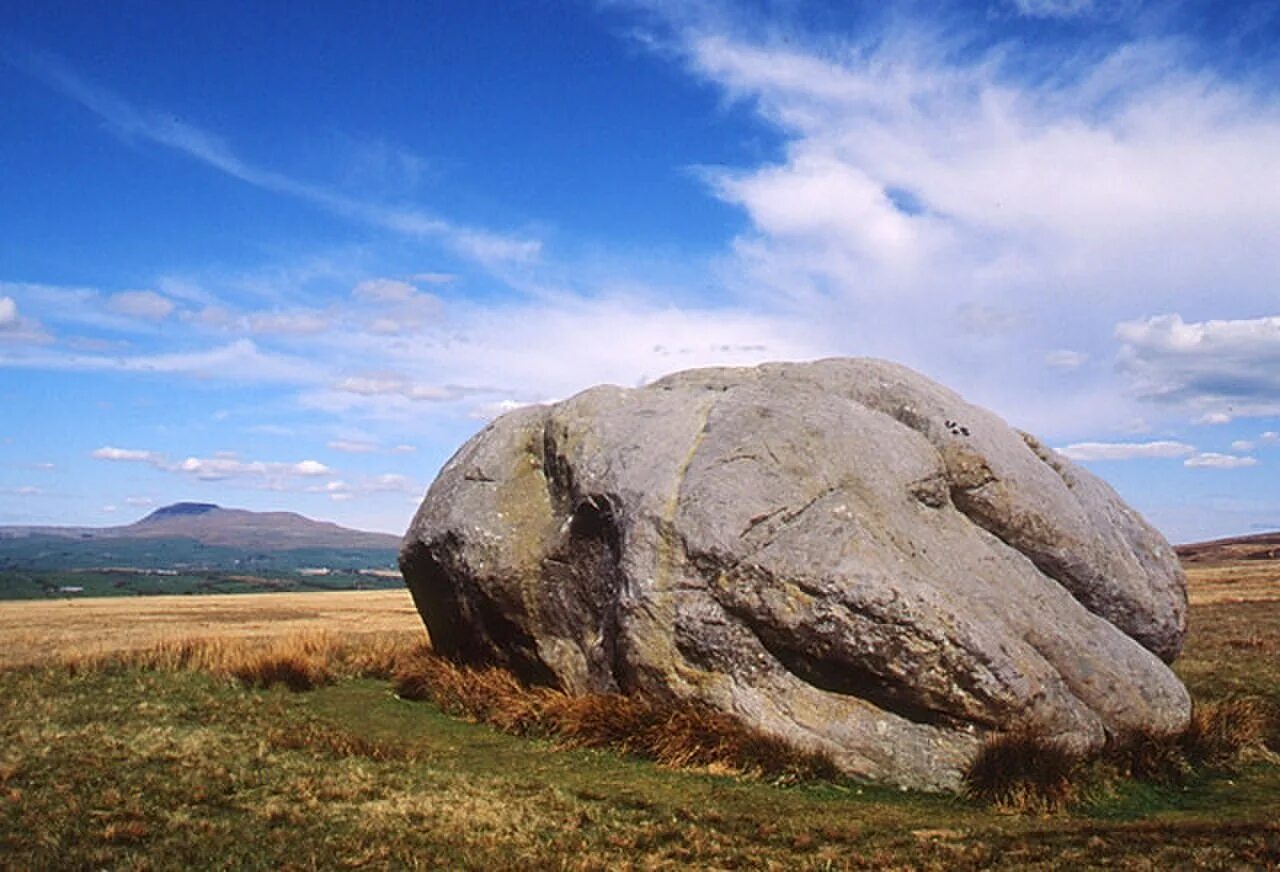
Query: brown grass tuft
column 1023, row 771
column 679, row 734
column 1223, row 732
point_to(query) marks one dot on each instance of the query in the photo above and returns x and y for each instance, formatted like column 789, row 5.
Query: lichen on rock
column 841, row 553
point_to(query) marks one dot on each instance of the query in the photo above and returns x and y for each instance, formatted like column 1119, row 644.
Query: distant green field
column 42, row 566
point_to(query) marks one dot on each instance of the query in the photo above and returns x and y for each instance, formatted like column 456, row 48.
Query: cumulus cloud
column 1231, row 365
column 955, row 204
column 132, row 455
column 1213, row 460
column 391, row 482
column 1089, row 451
column 14, row 328
column 147, row 305
column 224, row 466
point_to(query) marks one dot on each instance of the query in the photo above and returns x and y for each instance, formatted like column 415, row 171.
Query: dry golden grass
column 36, row 631
column 677, row 734
column 1233, row 581
column 1024, row 772
column 300, row 661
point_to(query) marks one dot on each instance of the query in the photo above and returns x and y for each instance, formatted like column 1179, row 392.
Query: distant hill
column 195, row 548
column 213, row 525
column 1262, row 546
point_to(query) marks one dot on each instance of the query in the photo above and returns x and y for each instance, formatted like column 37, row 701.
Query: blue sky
column 292, row 259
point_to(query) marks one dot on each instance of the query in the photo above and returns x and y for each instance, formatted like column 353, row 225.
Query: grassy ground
column 50, row 630
column 142, row 764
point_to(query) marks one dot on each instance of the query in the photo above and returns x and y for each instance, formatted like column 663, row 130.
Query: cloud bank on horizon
column 301, row 275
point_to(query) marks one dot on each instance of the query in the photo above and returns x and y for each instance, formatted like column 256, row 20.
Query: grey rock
column 841, row 553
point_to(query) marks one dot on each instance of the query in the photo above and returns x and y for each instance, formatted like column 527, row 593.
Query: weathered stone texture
column 843, row 553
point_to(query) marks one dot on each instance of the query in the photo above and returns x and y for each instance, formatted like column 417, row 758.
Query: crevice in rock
column 842, row 676
column 846, row 679
column 1053, row 566
column 582, row 580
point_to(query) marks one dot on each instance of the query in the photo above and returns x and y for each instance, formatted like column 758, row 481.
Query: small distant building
column 70, row 588
column 315, row 570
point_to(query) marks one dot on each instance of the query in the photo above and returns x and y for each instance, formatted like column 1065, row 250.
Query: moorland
column 317, row 731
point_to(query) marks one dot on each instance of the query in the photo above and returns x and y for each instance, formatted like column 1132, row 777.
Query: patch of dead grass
column 674, row 733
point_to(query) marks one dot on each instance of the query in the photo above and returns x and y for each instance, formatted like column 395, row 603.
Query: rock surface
column 841, row 553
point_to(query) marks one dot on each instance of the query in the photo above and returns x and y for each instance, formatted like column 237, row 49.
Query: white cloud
column 108, row 452
column 16, row 329
column 223, row 466
column 139, row 501
column 404, row 449
column 1213, row 460
column 353, row 446
column 1230, row 366
column 391, row 482
column 1214, row 418
column 311, row 468
column 1090, row 451
column 1243, row 446
column 376, row 385
column 147, row 305
column 956, row 209
column 238, row 361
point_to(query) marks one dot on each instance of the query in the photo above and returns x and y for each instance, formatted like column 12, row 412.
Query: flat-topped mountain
column 195, row 548
column 213, row 525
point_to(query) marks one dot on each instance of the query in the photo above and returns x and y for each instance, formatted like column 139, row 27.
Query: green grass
column 180, row 758
column 36, row 566
column 126, row 767
column 33, row 584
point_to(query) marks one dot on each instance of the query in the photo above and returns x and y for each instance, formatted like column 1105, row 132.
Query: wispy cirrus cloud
column 1092, row 451
column 225, row 466
column 1215, row 460
column 954, row 201
column 131, row 122
column 147, row 305
column 238, row 361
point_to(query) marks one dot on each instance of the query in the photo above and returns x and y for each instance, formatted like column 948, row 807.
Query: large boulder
column 841, row 553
